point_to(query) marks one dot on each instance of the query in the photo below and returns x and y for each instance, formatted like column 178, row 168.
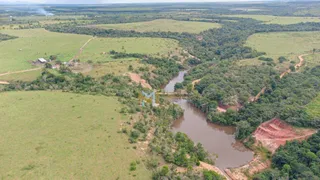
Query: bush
column 133, row 166
column 211, row 175
column 266, row 59
column 282, row 59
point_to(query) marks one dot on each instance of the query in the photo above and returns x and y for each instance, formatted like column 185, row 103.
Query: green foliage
column 4, row 37
column 266, row 59
column 296, row 160
column 133, row 166
column 227, row 84
column 282, row 59
column 178, row 86
column 211, row 175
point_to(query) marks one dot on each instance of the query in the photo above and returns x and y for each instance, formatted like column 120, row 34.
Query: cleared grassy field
column 25, row 76
column 17, row 54
column 54, row 135
column 312, row 60
column 268, row 19
column 98, row 49
column 287, row 44
column 163, row 25
column 313, row 108
column 114, row 67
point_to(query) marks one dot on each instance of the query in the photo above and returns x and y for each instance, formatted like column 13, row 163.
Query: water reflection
column 216, row 139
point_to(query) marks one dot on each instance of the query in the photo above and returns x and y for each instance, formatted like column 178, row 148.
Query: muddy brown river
column 216, row 139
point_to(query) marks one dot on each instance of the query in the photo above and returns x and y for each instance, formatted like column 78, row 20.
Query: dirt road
column 297, row 66
column 81, row 49
column 4, row 82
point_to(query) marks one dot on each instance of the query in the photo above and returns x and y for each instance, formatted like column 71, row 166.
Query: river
column 216, row 139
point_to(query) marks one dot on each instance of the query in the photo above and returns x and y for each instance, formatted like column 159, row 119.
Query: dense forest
column 295, row 160
column 231, row 84
column 283, row 98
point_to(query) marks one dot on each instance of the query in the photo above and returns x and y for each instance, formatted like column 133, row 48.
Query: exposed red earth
column 137, row 79
column 274, row 133
column 271, row 135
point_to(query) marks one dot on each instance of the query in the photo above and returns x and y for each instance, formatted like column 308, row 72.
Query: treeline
column 119, row 55
column 226, row 42
column 295, row 160
column 4, row 37
column 283, row 98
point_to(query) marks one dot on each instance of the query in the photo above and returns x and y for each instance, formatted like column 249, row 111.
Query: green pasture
column 312, row 61
column 313, row 108
column 17, row 54
column 115, row 67
column 164, row 25
column 268, row 19
column 98, row 49
column 55, row 135
column 287, row 44
column 25, row 76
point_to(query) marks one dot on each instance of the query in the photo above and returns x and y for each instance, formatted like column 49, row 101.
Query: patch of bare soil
column 4, row 82
column 223, row 108
column 137, row 79
column 195, row 82
column 271, row 135
column 81, row 67
column 254, row 166
column 274, row 133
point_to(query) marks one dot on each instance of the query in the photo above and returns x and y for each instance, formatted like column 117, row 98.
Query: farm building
column 42, row 60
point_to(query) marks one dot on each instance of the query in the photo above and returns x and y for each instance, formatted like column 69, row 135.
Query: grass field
column 314, row 107
column 268, row 19
column 25, row 76
column 163, row 25
column 312, row 60
column 98, row 49
column 55, row 135
column 287, row 44
column 16, row 54
column 114, row 67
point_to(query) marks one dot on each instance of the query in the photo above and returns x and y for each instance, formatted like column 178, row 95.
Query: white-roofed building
column 42, row 60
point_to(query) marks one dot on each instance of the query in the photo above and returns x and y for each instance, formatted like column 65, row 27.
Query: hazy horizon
column 116, row 1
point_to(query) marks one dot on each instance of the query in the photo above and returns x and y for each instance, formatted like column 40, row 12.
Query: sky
column 110, row 1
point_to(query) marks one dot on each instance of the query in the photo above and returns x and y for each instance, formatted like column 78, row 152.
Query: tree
column 48, row 66
column 53, row 57
column 292, row 68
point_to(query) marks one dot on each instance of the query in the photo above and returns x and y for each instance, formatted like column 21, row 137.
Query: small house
column 42, row 60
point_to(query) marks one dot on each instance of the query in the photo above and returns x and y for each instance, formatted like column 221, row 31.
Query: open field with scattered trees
column 99, row 48
column 18, row 54
column 234, row 56
column 284, row 20
column 163, row 25
column 313, row 107
column 56, row 135
column 282, row 48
